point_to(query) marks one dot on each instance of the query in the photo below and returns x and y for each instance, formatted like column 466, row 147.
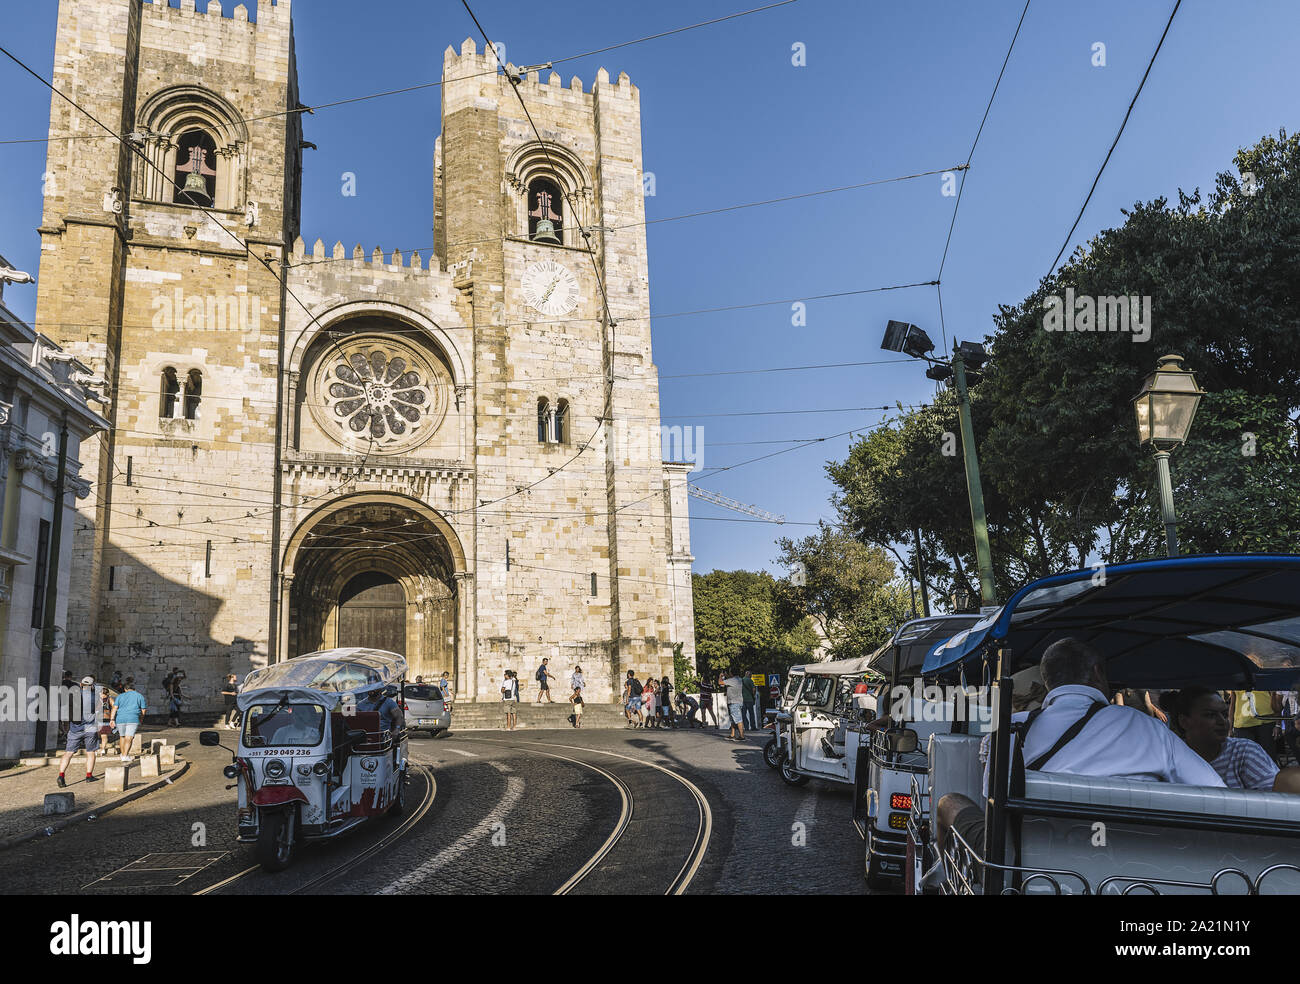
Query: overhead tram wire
column 432, row 85
column 478, row 509
column 1114, row 143
column 566, row 321
column 672, row 218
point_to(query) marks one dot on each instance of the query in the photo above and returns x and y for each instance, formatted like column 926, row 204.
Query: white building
column 39, row 384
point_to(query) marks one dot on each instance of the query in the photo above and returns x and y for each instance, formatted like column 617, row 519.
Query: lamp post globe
column 1164, row 409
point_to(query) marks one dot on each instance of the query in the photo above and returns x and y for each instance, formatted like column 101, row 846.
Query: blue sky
column 887, row 89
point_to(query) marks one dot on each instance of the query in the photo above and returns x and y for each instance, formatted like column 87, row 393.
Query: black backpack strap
column 1071, row 733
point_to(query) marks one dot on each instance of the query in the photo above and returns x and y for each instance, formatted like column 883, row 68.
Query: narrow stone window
column 207, row 561
column 171, row 389
column 543, row 420
column 193, row 394
column 593, row 584
column 196, row 170
column 562, row 421
column 545, row 211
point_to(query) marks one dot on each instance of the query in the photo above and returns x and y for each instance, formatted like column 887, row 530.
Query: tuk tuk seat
column 1134, row 852
column 955, row 766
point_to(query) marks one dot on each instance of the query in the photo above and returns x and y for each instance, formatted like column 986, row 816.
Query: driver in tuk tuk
column 1079, row 731
column 391, row 718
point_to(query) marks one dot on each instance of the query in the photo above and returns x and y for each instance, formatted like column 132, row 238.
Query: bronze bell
column 196, row 184
column 546, row 232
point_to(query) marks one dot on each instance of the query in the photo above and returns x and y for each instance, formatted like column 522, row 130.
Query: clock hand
column 549, row 289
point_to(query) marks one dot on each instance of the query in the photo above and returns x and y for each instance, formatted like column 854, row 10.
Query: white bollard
column 148, row 766
column 167, row 755
column 116, row 777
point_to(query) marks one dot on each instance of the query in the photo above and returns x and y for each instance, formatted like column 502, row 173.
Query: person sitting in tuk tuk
column 1062, row 736
column 1201, row 717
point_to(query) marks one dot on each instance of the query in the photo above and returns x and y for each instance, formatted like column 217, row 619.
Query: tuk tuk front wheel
column 773, row 753
column 790, row 775
column 277, row 840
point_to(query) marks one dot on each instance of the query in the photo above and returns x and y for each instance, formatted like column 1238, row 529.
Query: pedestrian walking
column 648, row 702
column 576, row 700
column 172, row 683
column 510, row 699
column 230, row 694
column 448, row 691
column 128, row 712
column 735, row 691
column 632, row 700
column 544, row 678
column 750, row 695
column 115, row 683
column 666, row 702
column 83, row 729
column 706, row 705
column 577, row 681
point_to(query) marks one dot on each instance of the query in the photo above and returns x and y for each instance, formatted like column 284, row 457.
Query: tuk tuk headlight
column 274, row 769
column 231, row 772
column 320, row 768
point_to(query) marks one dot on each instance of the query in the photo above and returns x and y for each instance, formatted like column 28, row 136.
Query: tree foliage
column 850, row 590
column 740, row 626
column 1063, row 476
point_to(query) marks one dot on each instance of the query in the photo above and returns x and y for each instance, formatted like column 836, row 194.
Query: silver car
column 425, row 709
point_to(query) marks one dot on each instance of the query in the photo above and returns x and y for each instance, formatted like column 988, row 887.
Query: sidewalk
column 23, row 788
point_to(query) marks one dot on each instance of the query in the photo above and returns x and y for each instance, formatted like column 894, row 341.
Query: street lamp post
column 1165, row 408
column 911, row 340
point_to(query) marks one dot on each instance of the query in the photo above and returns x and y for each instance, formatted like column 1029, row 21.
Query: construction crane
column 734, row 504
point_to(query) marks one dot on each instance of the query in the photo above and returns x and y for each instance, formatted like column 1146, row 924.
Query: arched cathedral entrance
column 377, row 571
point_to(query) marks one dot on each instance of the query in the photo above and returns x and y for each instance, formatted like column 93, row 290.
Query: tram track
column 694, row 857
column 412, row 818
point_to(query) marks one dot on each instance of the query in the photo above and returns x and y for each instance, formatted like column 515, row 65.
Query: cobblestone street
column 512, row 814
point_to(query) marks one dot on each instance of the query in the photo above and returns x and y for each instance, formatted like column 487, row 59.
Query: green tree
column 738, row 625
column 1064, row 478
column 849, row 588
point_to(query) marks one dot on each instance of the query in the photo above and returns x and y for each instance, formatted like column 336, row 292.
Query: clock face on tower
column 550, row 288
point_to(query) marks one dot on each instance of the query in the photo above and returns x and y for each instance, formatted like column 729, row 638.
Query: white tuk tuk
column 314, row 757
column 821, row 728
column 894, row 752
column 1227, row 622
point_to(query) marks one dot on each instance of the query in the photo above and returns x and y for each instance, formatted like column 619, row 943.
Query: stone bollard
column 148, row 766
column 116, row 777
column 167, row 755
column 57, row 803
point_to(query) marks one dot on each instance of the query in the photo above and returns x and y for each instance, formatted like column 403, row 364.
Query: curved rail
column 704, row 831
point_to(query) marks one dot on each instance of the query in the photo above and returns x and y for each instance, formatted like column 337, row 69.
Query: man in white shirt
column 1114, row 741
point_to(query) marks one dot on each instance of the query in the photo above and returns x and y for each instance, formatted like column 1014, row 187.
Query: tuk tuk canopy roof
column 1227, row 622
column 902, row 657
column 836, row 667
column 330, row 673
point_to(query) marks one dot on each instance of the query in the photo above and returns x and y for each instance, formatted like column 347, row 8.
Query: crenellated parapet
column 269, row 13
column 318, row 260
column 469, row 70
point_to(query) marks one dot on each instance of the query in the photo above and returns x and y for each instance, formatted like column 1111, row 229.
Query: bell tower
column 159, row 264
column 544, row 231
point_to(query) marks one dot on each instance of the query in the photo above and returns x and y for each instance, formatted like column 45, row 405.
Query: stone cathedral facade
column 455, row 456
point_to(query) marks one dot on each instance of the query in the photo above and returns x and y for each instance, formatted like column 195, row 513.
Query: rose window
column 379, row 392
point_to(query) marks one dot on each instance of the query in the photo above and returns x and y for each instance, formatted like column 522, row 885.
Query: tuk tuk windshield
column 268, row 725
column 816, row 690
